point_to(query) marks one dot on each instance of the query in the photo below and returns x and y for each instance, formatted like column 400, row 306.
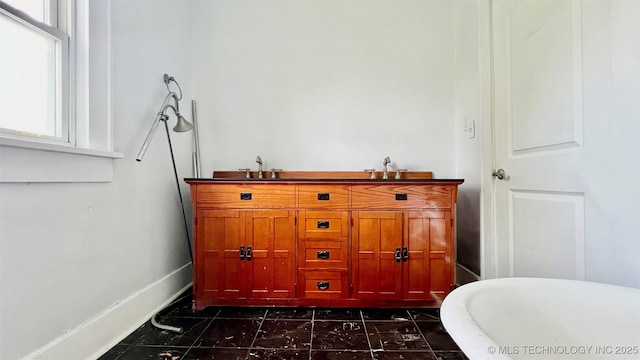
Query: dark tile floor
column 296, row 333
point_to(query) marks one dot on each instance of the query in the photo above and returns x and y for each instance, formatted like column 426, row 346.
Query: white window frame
column 88, row 156
column 64, row 67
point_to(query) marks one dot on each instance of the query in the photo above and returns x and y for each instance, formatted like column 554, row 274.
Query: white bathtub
column 531, row 318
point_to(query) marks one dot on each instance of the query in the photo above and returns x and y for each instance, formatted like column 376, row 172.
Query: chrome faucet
column 398, row 173
column 373, row 173
column 247, row 171
column 273, row 172
column 385, row 162
column 259, row 161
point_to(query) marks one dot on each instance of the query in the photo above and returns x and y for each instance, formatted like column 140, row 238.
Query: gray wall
column 70, row 251
column 334, row 85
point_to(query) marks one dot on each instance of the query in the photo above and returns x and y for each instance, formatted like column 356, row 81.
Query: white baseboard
column 97, row 335
column 464, row 275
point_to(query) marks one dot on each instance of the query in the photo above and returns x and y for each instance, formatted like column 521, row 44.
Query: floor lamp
column 171, row 101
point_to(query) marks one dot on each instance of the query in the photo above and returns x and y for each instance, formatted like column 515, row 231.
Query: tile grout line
column 203, row 331
column 366, row 333
column 422, row 334
column 257, row 332
column 313, row 323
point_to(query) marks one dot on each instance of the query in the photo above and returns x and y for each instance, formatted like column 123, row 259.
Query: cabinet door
column 271, row 267
column 429, row 269
column 219, row 271
column 377, row 237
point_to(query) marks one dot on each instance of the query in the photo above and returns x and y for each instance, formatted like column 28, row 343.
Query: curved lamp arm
column 154, row 126
column 182, row 125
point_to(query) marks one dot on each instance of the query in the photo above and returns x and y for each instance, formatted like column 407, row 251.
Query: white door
column 566, row 133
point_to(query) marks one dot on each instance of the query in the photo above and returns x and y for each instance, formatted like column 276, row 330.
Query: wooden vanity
column 323, row 239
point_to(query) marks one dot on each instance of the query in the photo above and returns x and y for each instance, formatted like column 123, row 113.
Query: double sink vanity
column 323, row 238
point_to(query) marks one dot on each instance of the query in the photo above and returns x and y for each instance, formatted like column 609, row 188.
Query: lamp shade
column 182, row 125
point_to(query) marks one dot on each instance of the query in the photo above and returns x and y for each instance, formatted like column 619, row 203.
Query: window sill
column 26, row 144
column 24, row 161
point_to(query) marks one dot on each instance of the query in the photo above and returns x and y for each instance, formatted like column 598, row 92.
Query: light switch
column 470, row 127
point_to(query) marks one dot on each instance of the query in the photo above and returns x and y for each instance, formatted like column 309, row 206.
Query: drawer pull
column 401, row 197
column 323, row 196
column 323, row 254
column 245, row 196
column 397, row 255
column 323, row 285
column 323, row 224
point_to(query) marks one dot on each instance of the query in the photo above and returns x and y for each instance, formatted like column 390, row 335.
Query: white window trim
column 64, row 56
column 45, row 146
column 23, row 160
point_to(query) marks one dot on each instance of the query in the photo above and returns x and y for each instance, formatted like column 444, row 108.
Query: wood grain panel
column 334, row 196
column 324, row 225
column 271, row 234
column 262, row 196
column 376, row 237
column 335, row 254
column 429, row 267
column 313, row 283
column 400, row 196
column 218, row 240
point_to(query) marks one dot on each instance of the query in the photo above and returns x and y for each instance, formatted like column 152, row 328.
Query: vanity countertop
column 323, row 177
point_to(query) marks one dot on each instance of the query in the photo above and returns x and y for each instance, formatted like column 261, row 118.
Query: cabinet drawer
column 324, row 225
column 323, row 196
column 400, row 196
column 246, row 196
column 323, row 254
column 324, row 284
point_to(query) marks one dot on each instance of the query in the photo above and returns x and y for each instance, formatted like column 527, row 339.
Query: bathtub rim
column 465, row 330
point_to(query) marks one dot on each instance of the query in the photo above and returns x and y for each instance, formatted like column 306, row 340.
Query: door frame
column 488, row 259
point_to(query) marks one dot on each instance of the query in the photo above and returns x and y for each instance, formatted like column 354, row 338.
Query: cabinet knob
column 241, row 252
column 249, row 253
column 405, row 254
column 398, row 255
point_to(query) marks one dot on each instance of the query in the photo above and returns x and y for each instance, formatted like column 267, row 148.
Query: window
column 55, row 109
column 35, row 68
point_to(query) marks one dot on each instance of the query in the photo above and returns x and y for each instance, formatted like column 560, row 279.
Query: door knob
column 500, row 174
